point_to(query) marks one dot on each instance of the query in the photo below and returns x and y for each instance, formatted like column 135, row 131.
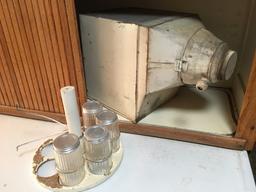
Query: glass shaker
column 69, row 159
column 89, row 111
column 110, row 120
column 98, row 150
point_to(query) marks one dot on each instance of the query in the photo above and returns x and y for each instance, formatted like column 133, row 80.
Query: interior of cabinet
column 216, row 110
column 211, row 112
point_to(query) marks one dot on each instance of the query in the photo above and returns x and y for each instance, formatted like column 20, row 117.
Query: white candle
column 68, row 96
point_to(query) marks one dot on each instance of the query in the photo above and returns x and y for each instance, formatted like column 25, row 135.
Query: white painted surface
column 110, row 51
column 169, row 39
column 207, row 112
column 149, row 164
column 141, row 67
column 162, row 76
column 190, row 109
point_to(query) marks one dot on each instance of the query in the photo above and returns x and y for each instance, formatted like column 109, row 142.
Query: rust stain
column 52, row 181
column 38, row 160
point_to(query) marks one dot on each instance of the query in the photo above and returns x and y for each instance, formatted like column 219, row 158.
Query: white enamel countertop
column 149, row 164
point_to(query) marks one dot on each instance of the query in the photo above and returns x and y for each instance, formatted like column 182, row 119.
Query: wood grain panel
column 61, row 46
column 19, row 34
column 2, row 102
column 4, row 99
column 67, row 41
column 21, row 7
column 39, row 54
column 50, row 69
column 27, row 50
column 49, row 46
column 7, row 79
column 71, row 16
column 9, row 40
column 246, row 127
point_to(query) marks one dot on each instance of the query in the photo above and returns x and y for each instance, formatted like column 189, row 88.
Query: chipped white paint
column 134, row 63
column 193, row 110
column 109, row 63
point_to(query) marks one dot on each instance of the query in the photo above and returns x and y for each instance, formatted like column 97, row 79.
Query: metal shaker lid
column 92, row 107
column 66, row 143
column 106, row 117
column 96, row 134
column 228, row 65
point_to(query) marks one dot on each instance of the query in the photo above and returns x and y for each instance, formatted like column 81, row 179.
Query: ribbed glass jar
column 89, row 111
column 71, row 178
column 110, row 120
column 101, row 167
column 98, row 150
column 69, row 159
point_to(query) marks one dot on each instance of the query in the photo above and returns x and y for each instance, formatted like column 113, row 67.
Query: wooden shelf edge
column 26, row 113
column 184, row 135
column 145, row 129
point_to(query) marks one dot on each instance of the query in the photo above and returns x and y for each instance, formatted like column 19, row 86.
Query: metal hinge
column 181, row 65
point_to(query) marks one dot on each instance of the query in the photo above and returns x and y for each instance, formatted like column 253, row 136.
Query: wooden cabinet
column 39, row 54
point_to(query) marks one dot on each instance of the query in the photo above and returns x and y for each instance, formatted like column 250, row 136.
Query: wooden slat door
column 39, row 54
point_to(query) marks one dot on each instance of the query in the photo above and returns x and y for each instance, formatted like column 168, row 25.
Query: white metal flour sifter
column 135, row 62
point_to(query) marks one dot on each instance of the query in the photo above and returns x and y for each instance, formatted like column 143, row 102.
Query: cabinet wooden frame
column 230, row 142
column 244, row 138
